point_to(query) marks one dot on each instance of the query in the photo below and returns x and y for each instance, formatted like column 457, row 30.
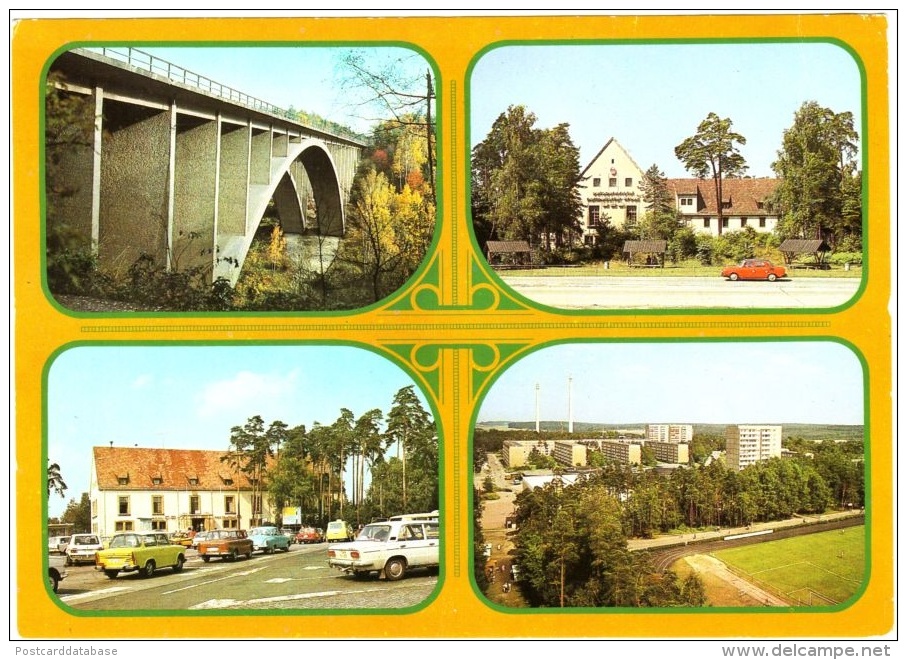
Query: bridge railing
column 139, row 59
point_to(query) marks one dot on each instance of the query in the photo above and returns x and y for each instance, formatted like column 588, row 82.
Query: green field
column 816, row 569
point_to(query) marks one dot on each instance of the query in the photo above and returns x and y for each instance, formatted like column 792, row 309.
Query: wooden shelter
column 653, row 249
column 509, row 254
column 792, row 247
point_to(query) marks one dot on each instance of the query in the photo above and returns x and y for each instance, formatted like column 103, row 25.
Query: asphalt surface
column 602, row 293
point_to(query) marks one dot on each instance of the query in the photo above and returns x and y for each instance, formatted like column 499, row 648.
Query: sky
column 189, row 397
column 305, row 77
column 651, row 97
column 810, row 382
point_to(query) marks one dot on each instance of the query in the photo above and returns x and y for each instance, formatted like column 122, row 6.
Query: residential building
column 622, row 452
column 141, row 489
column 670, row 452
column 569, row 453
column 748, row 444
column 610, row 191
column 669, row 433
column 515, row 453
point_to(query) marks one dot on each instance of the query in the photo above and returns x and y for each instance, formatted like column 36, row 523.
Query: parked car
column 290, row 534
column 56, row 545
column 81, row 548
column 339, row 530
column 56, row 571
column 268, row 539
column 144, row 552
column 389, row 548
column 226, row 544
column 182, row 538
column 754, row 269
column 310, row 535
column 198, row 538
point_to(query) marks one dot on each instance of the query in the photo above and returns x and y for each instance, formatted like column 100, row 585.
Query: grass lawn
column 816, row 569
column 684, row 269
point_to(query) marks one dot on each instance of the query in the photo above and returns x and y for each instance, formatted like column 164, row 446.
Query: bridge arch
column 308, row 167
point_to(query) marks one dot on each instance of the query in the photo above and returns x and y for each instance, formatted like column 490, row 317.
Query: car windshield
column 374, row 533
column 263, row 531
column 86, row 540
column 124, row 541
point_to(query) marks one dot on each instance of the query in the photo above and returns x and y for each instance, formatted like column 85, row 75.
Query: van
column 338, row 530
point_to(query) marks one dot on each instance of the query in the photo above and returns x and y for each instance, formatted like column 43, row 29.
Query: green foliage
column 712, row 152
column 820, row 188
column 525, row 182
column 78, row 514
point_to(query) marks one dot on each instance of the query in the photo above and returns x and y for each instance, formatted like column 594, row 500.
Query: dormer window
column 123, row 479
column 228, row 481
column 193, row 480
column 157, row 480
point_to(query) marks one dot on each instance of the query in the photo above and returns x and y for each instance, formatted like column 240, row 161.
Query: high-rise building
column 669, row 433
column 750, row 443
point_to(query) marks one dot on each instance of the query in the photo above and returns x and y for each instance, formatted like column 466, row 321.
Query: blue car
column 268, row 539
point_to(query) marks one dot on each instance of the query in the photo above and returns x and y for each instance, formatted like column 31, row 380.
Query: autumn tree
column 820, row 186
column 713, row 152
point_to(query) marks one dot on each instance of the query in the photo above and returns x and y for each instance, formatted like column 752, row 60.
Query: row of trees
column 330, row 468
column 526, row 181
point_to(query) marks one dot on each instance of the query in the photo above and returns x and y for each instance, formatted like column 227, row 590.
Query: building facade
column 611, row 192
column 515, row 453
column 670, row 452
column 569, row 453
column 748, row 444
column 669, row 433
column 622, row 452
column 169, row 490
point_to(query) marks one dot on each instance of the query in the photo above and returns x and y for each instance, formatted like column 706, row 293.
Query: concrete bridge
column 182, row 168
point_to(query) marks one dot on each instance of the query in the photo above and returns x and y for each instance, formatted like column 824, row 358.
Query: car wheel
column 249, row 555
column 178, row 566
column 53, row 581
column 395, row 568
column 733, row 277
column 269, row 550
column 772, row 277
column 68, row 561
column 233, row 555
column 111, row 574
column 148, row 569
column 206, row 558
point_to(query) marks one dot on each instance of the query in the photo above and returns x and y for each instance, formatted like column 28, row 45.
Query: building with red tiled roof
column 134, row 488
column 611, row 192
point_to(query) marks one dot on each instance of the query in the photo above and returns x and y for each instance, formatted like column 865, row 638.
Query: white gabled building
column 610, row 190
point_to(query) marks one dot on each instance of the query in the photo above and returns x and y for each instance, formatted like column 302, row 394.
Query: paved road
column 600, row 293
column 300, row 579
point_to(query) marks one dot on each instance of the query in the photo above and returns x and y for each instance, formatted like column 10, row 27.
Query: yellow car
column 144, row 552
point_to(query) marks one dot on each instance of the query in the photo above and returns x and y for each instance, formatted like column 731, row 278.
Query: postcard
column 452, row 327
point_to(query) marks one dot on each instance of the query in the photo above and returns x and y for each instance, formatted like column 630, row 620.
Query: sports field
column 815, row 569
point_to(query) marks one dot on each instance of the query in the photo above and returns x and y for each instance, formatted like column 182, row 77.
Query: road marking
column 110, row 590
column 219, row 603
column 221, row 579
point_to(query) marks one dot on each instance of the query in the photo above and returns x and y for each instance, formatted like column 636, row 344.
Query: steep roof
column 174, row 467
column 744, row 195
column 506, row 247
column 602, row 150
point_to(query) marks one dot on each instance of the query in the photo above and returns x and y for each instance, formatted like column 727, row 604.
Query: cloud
column 142, row 381
column 246, row 391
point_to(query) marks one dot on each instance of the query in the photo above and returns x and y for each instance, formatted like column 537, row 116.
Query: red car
column 310, row 535
column 754, row 269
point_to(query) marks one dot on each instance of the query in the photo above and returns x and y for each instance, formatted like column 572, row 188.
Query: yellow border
column 453, row 334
